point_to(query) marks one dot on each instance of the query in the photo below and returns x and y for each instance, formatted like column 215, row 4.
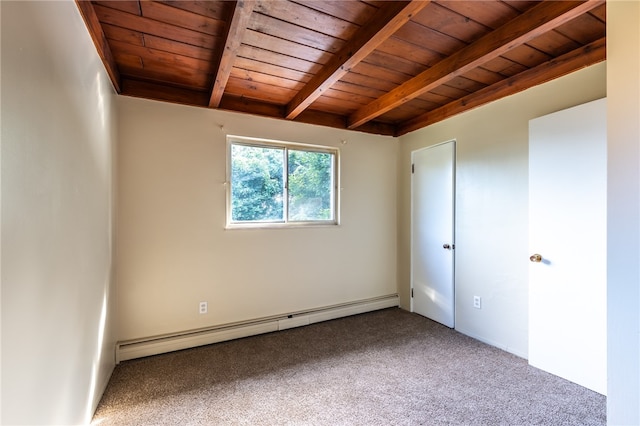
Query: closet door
column 432, row 233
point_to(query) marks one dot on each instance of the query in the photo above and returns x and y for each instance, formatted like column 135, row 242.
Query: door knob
column 535, row 258
column 446, row 246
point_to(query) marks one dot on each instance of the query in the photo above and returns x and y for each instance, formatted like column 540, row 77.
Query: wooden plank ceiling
column 386, row 67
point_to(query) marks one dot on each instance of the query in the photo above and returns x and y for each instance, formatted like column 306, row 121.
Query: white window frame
column 285, row 223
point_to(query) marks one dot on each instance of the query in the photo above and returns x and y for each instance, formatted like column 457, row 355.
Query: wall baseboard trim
column 155, row 345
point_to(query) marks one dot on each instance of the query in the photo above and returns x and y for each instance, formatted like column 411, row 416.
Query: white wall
column 57, row 141
column 623, row 99
column 174, row 252
column 492, row 256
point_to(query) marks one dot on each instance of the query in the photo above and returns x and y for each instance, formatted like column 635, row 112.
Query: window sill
column 241, row 226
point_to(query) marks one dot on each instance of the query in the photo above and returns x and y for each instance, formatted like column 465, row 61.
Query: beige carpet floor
column 388, row 367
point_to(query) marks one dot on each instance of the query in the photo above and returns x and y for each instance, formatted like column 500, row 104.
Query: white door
column 567, row 229
column 432, row 232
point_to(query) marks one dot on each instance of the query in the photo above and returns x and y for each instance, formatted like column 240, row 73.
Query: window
column 276, row 183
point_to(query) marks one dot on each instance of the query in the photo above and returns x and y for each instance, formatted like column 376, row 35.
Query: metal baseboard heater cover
column 155, row 345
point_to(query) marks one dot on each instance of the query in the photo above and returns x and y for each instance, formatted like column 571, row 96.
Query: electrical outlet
column 477, row 302
column 203, row 307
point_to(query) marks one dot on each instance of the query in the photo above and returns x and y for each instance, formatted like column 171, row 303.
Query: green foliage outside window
column 310, row 182
column 258, row 184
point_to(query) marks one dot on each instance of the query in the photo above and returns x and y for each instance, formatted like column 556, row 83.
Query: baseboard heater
column 155, row 345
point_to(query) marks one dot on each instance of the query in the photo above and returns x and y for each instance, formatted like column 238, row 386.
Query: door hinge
column 411, row 292
column 413, row 168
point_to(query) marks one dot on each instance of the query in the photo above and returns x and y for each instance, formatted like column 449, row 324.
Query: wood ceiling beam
column 146, row 89
column 579, row 58
column 386, row 21
column 233, row 39
column 534, row 22
column 256, row 107
column 161, row 92
column 100, row 41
